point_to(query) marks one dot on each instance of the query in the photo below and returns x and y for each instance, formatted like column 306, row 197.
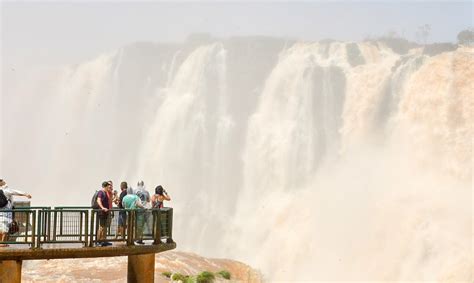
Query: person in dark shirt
column 122, row 221
column 103, row 215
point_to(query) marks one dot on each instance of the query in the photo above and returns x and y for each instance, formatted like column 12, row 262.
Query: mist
column 308, row 159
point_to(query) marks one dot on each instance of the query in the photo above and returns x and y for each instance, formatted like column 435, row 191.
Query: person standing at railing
column 132, row 201
column 157, row 201
column 103, row 215
column 6, row 197
column 159, row 197
column 110, row 195
column 122, row 221
column 144, row 196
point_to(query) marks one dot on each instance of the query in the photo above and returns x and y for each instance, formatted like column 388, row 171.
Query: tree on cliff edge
column 466, row 37
column 423, row 33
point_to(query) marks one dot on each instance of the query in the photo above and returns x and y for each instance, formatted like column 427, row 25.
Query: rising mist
column 308, row 160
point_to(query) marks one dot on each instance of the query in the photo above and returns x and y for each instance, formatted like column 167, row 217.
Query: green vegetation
column 225, row 274
column 181, row 277
column 205, row 277
column 466, row 37
column 437, row 48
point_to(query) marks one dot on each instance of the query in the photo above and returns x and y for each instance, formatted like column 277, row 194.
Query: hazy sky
column 50, row 33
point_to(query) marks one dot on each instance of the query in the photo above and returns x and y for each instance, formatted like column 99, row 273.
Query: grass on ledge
column 203, row 277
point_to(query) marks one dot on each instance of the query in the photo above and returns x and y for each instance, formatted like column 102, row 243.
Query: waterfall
column 310, row 161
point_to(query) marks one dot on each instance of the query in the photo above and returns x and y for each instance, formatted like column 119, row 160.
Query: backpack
column 142, row 196
column 13, row 227
column 3, row 199
column 94, row 203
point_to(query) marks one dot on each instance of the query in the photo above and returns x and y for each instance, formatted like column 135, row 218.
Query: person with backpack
column 6, row 203
column 144, row 196
column 103, row 203
column 122, row 221
column 132, row 201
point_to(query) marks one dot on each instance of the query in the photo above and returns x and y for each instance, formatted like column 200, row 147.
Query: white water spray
column 325, row 161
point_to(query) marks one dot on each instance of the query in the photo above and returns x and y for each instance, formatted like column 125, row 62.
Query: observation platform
column 72, row 232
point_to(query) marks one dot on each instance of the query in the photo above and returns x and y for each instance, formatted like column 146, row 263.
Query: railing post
column 55, row 224
column 33, row 229
column 40, row 223
column 61, row 219
column 86, row 228
column 130, row 227
column 47, row 225
column 91, row 238
column 170, row 226
column 156, row 226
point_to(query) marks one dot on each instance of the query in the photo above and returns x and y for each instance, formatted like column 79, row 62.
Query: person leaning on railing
column 6, row 217
column 159, row 197
column 103, row 215
column 122, row 221
column 132, row 201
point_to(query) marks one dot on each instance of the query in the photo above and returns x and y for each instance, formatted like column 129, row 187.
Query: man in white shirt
column 6, row 217
column 144, row 196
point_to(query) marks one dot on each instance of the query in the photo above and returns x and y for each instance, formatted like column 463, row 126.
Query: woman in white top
column 6, row 217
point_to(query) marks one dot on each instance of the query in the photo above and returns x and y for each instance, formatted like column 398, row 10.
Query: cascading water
column 352, row 208
column 310, row 161
column 185, row 145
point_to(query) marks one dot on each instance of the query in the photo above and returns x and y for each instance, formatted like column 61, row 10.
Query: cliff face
column 115, row 269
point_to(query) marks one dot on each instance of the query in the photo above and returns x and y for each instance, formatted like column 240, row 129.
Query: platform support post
column 141, row 268
column 10, row 271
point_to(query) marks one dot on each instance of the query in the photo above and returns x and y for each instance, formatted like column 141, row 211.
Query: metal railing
column 134, row 225
column 86, row 226
column 25, row 222
column 62, row 226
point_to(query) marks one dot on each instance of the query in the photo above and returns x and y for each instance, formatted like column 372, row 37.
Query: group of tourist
column 103, row 201
column 128, row 199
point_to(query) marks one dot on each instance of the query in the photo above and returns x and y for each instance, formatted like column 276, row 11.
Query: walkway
column 71, row 232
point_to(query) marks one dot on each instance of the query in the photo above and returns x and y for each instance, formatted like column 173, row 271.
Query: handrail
column 80, row 225
column 72, row 207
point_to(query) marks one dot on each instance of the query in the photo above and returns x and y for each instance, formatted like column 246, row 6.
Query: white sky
column 54, row 33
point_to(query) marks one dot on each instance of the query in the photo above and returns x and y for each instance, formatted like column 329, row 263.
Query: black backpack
column 94, row 203
column 3, row 199
column 13, row 227
column 141, row 196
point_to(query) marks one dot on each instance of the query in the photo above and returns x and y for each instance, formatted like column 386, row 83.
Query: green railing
column 80, row 225
column 62, row 226
column 26, row 223
column 137, row 225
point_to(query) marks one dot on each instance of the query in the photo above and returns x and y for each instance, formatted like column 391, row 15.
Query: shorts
column 5, row 220
column 122, row 220
column 104, row 218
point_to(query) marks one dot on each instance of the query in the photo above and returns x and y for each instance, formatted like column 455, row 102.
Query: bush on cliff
column 205, row 277
column 225, row 274
column 181, row 277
